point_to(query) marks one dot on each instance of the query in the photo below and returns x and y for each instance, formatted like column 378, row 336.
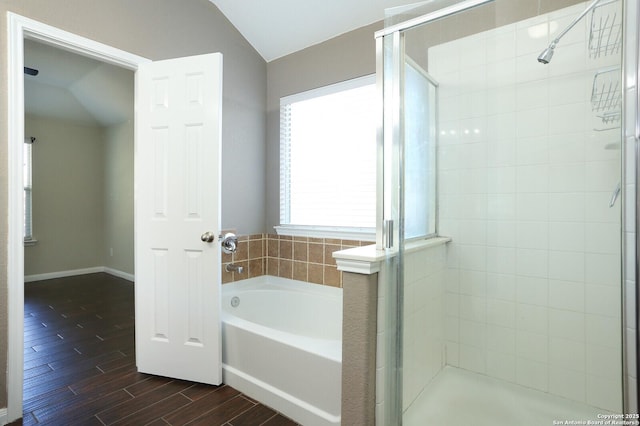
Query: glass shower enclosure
column 502, row 169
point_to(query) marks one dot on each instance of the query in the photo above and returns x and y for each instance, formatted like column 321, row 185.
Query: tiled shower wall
column 299, row 258
column 424, row 294
column 533, row 281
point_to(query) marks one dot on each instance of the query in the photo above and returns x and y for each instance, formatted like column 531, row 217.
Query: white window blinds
column 28, row 204
column 328, row 156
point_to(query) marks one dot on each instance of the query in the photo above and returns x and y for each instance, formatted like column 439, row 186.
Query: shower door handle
column 614, row 196
column 388, row 233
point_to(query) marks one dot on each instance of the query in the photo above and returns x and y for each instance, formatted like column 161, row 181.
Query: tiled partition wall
column 300, row 258
column 424, row 290
column 533, row 283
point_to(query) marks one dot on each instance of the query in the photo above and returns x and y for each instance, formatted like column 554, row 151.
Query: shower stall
column 508, row 158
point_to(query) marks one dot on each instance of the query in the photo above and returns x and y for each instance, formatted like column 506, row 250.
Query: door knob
column 208, row 237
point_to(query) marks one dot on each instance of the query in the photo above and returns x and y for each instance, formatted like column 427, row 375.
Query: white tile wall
column 424, row 316
column 533, row 281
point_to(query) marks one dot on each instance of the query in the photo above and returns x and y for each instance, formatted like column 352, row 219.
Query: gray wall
column 342, row 58
column 68, row 200
column 117, row 247
column 161, row 29
column 82, row 196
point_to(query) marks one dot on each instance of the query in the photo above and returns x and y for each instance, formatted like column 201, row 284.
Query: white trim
column 63, row 274
column 19, row 28
column 358, row 266
column 120, row 274
column 76, row 272
column 61, row 39
column 3, row 416
column 364, row 260
column 15, row 249
column 360, row 234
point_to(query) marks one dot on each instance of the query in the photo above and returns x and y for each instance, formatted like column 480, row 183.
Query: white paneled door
column 177, row 187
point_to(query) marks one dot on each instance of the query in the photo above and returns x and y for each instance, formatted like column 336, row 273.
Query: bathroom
column 535, row 199
column 523, row 246
column 525, row 289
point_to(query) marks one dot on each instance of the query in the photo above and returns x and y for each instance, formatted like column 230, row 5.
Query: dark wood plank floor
column 79, row 366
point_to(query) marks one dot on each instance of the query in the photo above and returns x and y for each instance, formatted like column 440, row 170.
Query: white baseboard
column 62, row 274
column 74, row 272
column 120, row 274
column 3, row 416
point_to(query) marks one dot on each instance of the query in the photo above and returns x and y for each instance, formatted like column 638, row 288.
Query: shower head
column 547, row 54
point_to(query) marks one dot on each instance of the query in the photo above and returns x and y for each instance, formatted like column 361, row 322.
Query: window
column 420, row 104
column 26, row 168
column 328, row 161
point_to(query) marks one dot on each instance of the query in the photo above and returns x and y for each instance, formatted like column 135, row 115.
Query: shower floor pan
column 460, row 397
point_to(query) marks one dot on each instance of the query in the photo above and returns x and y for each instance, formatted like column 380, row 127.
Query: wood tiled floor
column 79, row 366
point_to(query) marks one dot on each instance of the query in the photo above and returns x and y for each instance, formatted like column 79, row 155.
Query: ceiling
column 76, row 88
column 276, row 28
column 80, row 89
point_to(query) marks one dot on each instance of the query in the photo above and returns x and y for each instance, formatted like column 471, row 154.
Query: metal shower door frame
column 389, row 180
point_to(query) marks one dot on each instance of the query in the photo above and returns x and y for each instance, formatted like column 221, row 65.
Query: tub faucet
column 230, row 267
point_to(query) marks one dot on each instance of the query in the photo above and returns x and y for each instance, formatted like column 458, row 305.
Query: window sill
column 359, row 234
column 30, row 242
column 425, row 243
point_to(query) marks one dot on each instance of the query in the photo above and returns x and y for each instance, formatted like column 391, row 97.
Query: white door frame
column 19, row 28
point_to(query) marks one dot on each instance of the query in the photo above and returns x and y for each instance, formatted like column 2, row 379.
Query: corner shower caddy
column 605, row 38
column 606, row 96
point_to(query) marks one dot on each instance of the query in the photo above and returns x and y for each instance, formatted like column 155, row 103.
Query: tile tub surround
column 300, row 258
column 250, row 254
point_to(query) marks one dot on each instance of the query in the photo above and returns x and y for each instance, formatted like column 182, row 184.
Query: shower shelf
column 606, row 94
column 605, row 36
column 606, row 129
column 610, row 117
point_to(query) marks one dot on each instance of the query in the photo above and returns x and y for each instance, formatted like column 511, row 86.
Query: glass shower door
column 410, row 153
column 510, row 289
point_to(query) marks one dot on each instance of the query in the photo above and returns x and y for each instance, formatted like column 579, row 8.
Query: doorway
column 21, row 28
column 79, row 122
column 177, row 135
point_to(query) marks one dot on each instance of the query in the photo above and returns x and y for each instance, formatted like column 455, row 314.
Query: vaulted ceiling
column 276, row 28
column 76, row 88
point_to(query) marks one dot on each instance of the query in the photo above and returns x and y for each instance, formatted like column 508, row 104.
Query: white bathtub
column 282, row 345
